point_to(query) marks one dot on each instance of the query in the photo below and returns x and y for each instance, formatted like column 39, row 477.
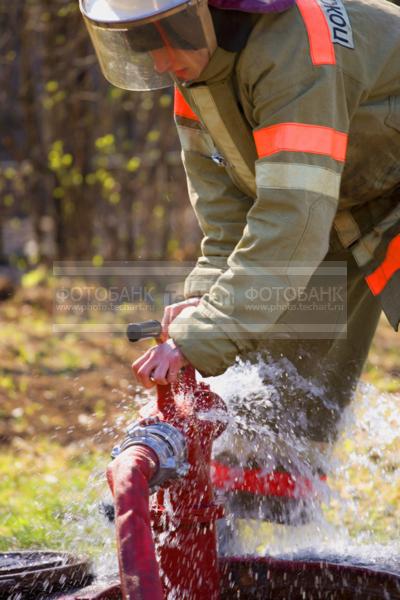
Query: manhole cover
column 31, row 575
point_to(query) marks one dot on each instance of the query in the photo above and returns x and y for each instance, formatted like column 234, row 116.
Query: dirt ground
column 64, row 387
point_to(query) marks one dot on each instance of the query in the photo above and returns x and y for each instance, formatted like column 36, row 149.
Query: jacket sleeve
column 301, row 137
column 220, row 207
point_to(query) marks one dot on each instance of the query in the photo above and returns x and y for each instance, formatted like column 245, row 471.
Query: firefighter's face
column 184, row 64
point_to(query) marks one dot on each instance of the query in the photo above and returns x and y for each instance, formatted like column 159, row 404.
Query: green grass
column 44, row 488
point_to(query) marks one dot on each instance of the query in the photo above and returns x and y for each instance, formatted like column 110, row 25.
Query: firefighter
column 288, row 113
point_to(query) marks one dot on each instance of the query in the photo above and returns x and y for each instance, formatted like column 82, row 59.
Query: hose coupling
column 166, row 441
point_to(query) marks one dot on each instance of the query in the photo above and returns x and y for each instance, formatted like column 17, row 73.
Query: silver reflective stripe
column 284, row 176
column 195, row 140
column 212, row 120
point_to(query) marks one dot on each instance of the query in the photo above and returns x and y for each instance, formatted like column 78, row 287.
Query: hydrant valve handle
column 141, row 331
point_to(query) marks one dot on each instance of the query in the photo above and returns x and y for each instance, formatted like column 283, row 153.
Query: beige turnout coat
column 278, row 141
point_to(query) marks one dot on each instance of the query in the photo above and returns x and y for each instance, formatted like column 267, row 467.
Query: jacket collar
column 219, row 68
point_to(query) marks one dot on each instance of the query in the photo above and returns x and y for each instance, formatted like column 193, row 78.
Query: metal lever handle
column 141, row 331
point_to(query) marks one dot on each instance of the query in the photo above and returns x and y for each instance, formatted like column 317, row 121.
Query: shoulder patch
column 339, row 22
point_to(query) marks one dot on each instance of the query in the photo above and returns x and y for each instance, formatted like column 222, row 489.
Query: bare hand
column 172, row 311
column 160, row 365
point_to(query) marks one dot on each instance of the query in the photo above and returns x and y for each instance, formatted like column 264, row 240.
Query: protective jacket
column 282, row 143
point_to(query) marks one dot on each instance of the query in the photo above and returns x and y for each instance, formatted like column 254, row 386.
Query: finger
column 139, row 371
column 147, row 381
column 175, row 365
column 173, row 373
column 160, row 373
column 145, row 371
column 141, row 360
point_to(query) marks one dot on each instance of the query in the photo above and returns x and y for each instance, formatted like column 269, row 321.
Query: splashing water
column 356, row 522
column 93, row 533
column 88, row 522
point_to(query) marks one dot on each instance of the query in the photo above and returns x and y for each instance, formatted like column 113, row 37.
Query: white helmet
column 127, row 34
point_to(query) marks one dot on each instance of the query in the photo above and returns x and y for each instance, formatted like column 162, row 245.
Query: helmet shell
column 116, row 11
column 253, row 6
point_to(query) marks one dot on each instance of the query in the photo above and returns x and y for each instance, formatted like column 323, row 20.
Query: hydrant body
column 177, row 434
column 184, row 515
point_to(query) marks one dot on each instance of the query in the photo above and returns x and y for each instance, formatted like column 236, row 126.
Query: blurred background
column 87, row 171
column 91, row 173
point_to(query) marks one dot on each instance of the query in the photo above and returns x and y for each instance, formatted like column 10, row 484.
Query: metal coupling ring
column 166, row 441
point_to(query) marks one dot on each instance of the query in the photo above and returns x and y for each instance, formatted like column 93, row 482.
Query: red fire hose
column 129, row 481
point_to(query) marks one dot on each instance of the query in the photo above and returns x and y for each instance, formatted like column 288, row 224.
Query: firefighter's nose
column 162, row 61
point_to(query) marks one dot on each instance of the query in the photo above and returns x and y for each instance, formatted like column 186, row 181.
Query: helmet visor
column 142, row 54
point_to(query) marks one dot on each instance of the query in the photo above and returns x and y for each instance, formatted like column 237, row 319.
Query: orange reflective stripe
column 391, row 263
column 297, row 137
column 319, row 35
column 259, row 482
column 182, row 108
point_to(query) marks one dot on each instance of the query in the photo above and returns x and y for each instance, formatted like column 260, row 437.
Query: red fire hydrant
column 184, row 513
column 170, row 449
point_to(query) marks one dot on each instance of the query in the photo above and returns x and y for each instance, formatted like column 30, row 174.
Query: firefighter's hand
column 172, row 311
column 159, row 365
